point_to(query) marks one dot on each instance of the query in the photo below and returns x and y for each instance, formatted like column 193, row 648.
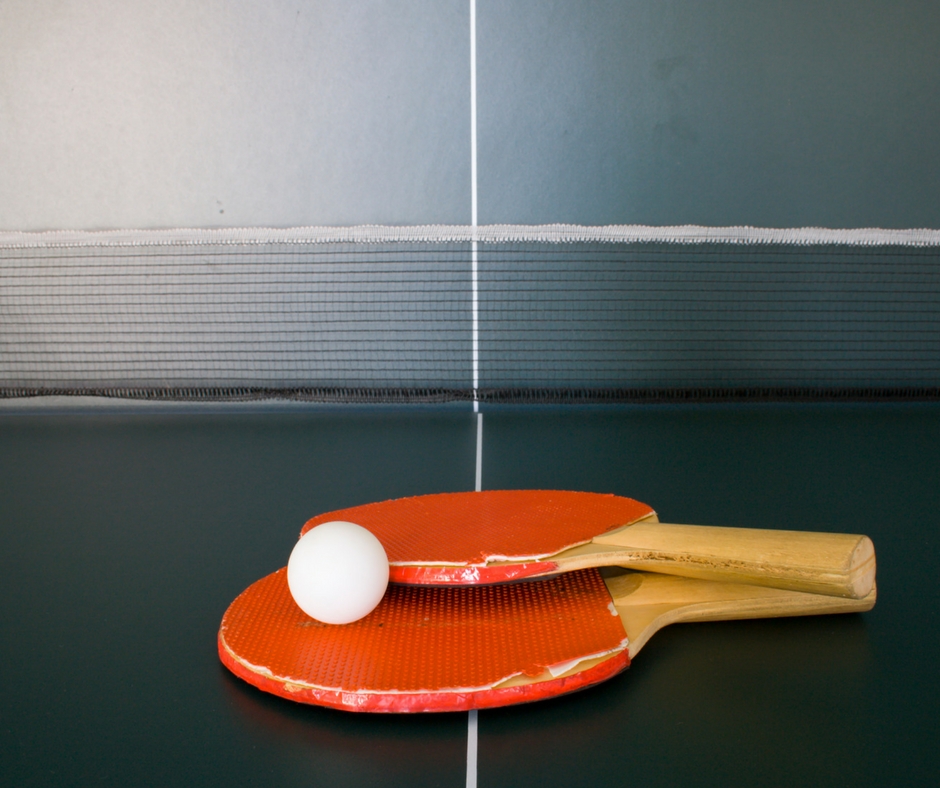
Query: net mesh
column 567, row 318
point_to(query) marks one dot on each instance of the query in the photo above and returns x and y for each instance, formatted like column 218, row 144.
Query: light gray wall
column 124, row 113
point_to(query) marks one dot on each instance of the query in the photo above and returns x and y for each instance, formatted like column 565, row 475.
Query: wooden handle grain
column 840, row 565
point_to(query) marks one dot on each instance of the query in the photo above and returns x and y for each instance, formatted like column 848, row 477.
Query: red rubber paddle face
column 428, row 649
column 449, row 538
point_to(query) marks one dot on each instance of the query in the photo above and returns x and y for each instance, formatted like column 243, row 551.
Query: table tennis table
column 128, row 528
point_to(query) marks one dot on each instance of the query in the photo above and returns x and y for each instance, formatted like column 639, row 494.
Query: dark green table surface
column 126, row 534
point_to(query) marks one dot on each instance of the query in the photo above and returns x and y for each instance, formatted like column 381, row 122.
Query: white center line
column 472, row 750
column 478, row 485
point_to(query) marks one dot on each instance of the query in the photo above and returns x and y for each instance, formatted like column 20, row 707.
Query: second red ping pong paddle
column 502, row 535
column 476, row 647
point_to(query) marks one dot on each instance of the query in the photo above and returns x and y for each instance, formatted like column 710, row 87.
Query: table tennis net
column 387, row 314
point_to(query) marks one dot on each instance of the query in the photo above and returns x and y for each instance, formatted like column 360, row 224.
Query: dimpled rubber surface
column 466, row 529
column 425, row 649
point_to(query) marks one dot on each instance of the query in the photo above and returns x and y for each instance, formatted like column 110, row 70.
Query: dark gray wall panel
column 733, row 112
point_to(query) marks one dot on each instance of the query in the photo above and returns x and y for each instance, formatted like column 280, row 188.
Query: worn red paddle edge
column 411, row 574
column 427, row 701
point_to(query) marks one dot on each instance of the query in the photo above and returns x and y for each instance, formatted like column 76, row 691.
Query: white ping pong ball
column 337, row 572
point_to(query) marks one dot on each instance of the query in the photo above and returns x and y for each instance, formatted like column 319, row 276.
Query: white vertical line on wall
column 474, row 260
column 473, row 113
column 473, row 203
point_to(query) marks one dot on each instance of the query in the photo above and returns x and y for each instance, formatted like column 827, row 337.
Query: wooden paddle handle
column 648, row 602
column 833, row 564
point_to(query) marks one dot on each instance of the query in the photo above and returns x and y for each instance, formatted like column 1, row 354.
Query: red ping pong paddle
column 500, row 535
column 474, row 647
